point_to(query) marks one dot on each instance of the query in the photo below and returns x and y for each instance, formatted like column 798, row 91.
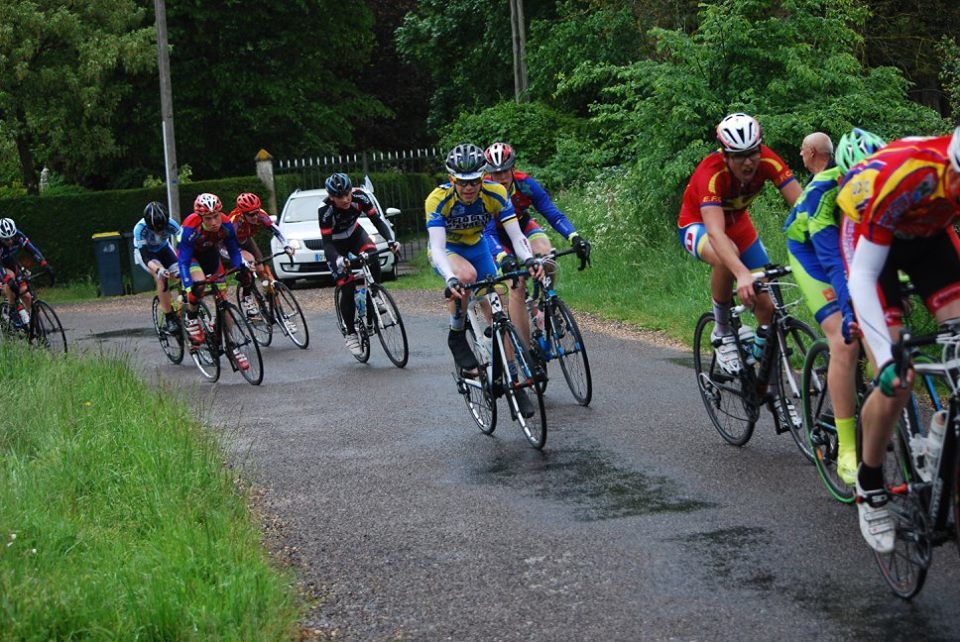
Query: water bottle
column 747, row 338
column 934, row 440
column 24, row 316
column 360, row 298
column 536, row 314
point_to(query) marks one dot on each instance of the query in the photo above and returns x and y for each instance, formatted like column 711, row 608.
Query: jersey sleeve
column 138, row 229
column 774, row 168
column 434, row 205
column 325, row 216
column 30, row 247
column 185, row 255
column 545, row 205
column 173, row 230
column 230, row 241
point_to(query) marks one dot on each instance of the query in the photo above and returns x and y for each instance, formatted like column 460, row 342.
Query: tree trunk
column 27, row 169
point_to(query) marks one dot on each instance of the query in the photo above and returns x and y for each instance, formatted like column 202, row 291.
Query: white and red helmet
column 739, row 133
column 500, row 157
column 953, row 150
column 206, row 203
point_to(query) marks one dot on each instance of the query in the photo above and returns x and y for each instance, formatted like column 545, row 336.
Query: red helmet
column 248, row 202
column 500, row 157
column 207, row 203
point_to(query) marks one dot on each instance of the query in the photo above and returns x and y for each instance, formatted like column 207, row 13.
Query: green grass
column 423, row 279
column 118, row 519
column 85, row 290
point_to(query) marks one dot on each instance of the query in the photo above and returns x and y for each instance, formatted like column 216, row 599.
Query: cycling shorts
column 164, row 255
column 752, row 253
column 478, row 255
column 209, row 262
column 813, row 280
column 531, row 230
column 933, row 265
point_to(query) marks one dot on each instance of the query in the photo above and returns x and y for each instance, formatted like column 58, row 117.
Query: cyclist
column 525, row 192
column 12, row 241
column 457, row 214
column 201, row 236
column 342, row 233
column 813, row 248
column 715, row 227
column 903, row 202
column 248, row 218
column 153, row 251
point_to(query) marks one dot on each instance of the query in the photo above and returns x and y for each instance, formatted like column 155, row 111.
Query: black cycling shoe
column 462, row 354
column 524, row 403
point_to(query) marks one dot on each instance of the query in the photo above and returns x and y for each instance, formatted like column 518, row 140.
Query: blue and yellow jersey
column 815, row 209
column 465, row 222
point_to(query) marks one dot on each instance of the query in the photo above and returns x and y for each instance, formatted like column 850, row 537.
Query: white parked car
column 301, row 226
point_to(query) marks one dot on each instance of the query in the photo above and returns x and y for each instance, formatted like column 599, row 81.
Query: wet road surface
column 635, row 522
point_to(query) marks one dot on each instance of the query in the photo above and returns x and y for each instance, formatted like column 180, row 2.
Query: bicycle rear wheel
column 45, row 328
column 724, row 395
column 290, row 317
column 819, row 421
column 477, row 393
column 261, row 323
column 206, row 355
column 521, row 380
column 796, row 339
column 171, row 344
column 239, row 336
column 571, row 352
column 389, row 325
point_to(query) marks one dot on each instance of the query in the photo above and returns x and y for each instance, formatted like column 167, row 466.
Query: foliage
column 184, row 175
column 62, row 65
column 950, row 75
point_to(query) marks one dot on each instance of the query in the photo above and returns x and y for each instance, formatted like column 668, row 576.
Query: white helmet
column 7, row 228
column 739, row 133
column 953, row 150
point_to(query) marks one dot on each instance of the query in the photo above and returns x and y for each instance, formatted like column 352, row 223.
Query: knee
column 466, row 273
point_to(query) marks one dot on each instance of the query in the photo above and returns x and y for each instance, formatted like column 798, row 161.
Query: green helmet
column 856, row 145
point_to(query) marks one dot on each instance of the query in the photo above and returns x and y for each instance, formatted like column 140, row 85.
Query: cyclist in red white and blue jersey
column 525, row 193
column 153, row 251
column 12, row 241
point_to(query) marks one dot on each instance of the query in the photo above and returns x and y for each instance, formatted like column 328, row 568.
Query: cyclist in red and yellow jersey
column 715, row 227
column 900, row 205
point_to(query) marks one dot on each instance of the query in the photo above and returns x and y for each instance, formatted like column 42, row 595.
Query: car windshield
column 302, row 209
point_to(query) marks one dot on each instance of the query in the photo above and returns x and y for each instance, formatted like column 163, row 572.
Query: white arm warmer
column 521, row 246
column 868, row 261
column 438, row 251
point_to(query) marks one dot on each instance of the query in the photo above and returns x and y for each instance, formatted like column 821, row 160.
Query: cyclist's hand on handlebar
column 163, row 273
column 745, row 289
column 892, row 384
column 509, row 264
column 456, row 288
column 849, row 329
column 394, row 246
column 582, row 247
column 196, row 290
column 288, row 250
column 534, row 267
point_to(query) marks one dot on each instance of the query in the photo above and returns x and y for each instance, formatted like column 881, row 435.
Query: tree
column 63, row 66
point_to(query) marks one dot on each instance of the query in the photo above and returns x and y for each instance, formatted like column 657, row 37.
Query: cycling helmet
column 500, row 157
column 248, row 202
column 739, row 133
column 856, row 145
column 338, row 184
column 7, row 228
column 155, row 216
column 466, row 162
column 207, row 203
column 953, row 150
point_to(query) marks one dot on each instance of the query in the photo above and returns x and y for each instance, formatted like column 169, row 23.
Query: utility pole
column 166, row 113
column 519, row 33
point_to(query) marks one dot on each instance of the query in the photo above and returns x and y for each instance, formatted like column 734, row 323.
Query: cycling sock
column 870, row 478
column 721, row 314
column 846, row 433
column 458, row 318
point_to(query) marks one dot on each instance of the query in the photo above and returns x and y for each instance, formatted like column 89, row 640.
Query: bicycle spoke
column 389, row 325
column 728, row 406
column 241, row 347
column 290, row 317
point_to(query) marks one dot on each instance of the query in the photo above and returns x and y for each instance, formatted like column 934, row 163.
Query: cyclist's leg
column 9, row 277
column 466, row 273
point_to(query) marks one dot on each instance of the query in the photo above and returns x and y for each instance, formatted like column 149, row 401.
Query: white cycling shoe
column 876, row 522
column 352, row 341
column 727, row 356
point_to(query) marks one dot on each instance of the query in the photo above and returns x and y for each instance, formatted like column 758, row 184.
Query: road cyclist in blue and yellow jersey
column 153, row 250
column 202, row 234
column 526, row 193
column 813, row 248
column 457, row 214
column 12, row 241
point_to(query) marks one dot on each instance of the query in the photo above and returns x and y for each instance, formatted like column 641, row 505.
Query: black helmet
column 155, row 216
column 338, row 184
column 466, row 162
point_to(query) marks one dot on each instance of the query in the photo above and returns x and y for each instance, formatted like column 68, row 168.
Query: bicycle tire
column 480, row 400
column 729, row 409
column 797, row 337
column 290, row 317
column 538, row 351
column 206, row 354
column 358, row 325
column 389, row 326
column 819, row 421
column 262, row 324
column 171, row 344
column 534, row 427
column 6, row 327
column 572, row 353
column 45, row 328
column 240, row 336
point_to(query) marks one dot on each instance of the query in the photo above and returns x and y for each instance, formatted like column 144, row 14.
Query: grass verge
column 118, row 519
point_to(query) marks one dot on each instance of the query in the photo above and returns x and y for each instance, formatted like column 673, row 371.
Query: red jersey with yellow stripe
column 900, row 191
column 713, row 184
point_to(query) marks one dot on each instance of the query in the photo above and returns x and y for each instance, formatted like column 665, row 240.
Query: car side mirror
column 392, row 211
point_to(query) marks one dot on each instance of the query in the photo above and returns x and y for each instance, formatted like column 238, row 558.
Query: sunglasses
column 749, row 154
column 471, row 183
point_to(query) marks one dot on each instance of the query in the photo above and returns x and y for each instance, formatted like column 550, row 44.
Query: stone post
column 265, row 174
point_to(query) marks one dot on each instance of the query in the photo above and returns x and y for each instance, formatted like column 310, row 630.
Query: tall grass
column 118, row 519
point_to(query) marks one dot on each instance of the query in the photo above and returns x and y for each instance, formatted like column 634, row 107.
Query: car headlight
column 295, row 244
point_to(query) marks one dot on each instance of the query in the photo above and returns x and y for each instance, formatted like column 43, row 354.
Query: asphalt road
column 635, row 522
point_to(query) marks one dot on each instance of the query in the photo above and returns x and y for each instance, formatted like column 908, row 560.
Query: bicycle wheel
column 290, row 317
column 818, row 421
column 6, row 327
column 389, row 325
column 571, row 352
column 206, row 355
column 477, row 393
column 261, row 323
column 724, row 395
column 521, row 380
column 795, row 341
column 45, row 328
column 171, row 344
column 239, row 336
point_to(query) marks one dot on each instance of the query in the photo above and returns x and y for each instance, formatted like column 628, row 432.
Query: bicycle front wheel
column 571, row 352
column 171, row 344
column 389, row 325
column 476, row 392
column 241, row 347
column 795, row 341
column 819, row 421
column 206, row 355
column 262, row 322
column 289, row 316
column 521, row 381
column 45, row 328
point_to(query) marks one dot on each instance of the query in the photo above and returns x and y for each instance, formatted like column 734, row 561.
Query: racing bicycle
column 277, row 307
column 44, row 328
